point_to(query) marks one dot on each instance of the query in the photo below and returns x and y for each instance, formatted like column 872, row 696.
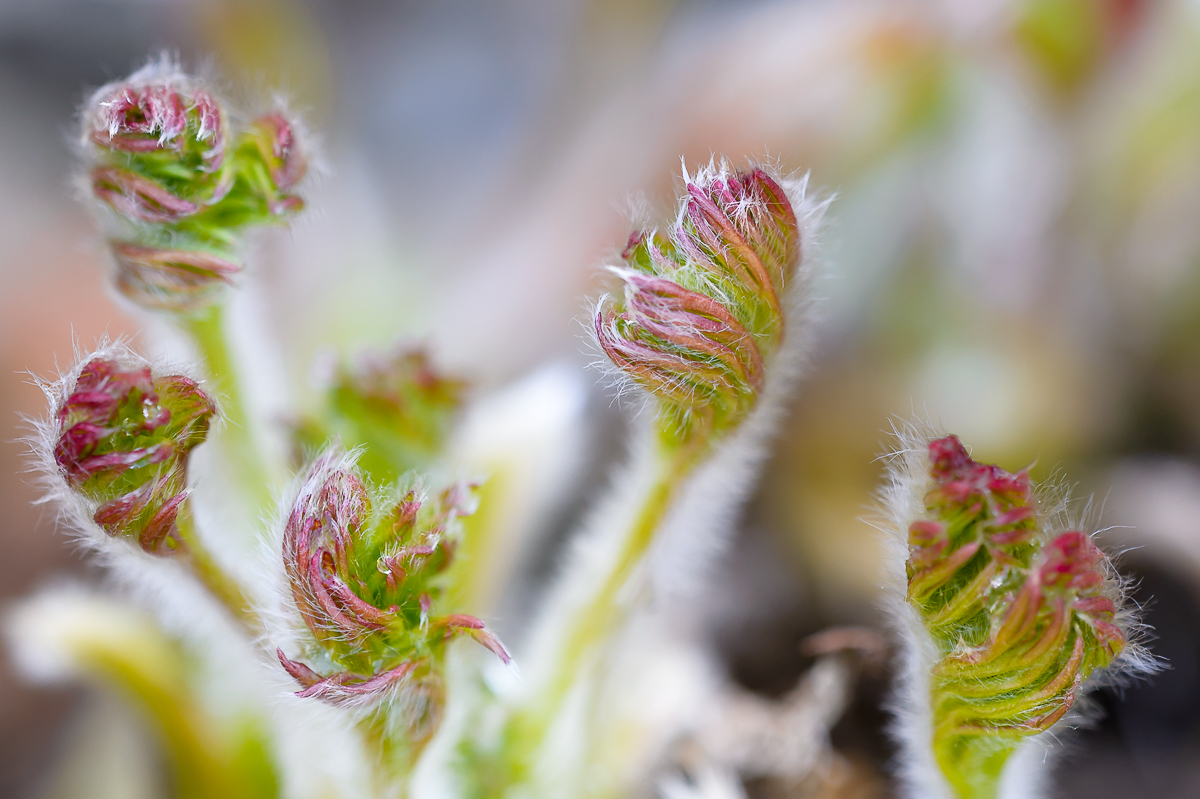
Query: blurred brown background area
column 1012, row 255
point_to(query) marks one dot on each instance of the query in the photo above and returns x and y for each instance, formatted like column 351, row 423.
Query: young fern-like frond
column 179, row 180
column 364, row 571
column 711, row 326
column 1007, row 618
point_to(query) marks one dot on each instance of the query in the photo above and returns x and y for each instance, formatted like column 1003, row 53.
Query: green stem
column 470, row 581
column 973, row 763
column 595, row 622
column 206, row 758
column 394, row 760
column 212, row 576
column 250, row 470
column 198, row 770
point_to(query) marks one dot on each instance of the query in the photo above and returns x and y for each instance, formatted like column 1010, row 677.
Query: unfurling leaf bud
column 397, row 406
column 364, row 568
column 165, row 155
column 703, row 308
column 122, row 441
column 160, row 142
column 1021, row 616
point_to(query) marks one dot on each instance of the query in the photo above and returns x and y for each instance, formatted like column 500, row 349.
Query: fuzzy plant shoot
column 180, row 181
column 395, row 406
column 115, row 453
column 708, row 326
column 365, row 575
column 122, row 440
column 702, row 309
column 1008, row 620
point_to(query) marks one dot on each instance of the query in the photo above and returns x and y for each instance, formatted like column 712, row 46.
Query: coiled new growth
column 364, row 570
column 703, row 308
column 115, row 452
column 122, row 437
column 701, row 327
column 1020, row 615
column 182, row 181
column 181, row 178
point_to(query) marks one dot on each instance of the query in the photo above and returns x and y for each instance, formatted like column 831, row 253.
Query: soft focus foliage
column 1020, row 614
column 396, row 406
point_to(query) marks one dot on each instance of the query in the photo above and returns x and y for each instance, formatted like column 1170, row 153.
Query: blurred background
column 1013, row 253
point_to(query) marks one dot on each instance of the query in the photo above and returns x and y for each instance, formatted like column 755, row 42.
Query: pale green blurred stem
column 251, row 472
column 973, row 764
column 197, row 772
column 470, row 584
column 595, row 622
column 392, row 760
column 146, row 667
column 212, row 576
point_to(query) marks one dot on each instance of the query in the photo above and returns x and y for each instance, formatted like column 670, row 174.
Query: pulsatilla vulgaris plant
column 306, row 605
column 703, row 309
column 366, row 576
column 167, row 161
column 710, row 325
column 122, row 439
column 1008, row 619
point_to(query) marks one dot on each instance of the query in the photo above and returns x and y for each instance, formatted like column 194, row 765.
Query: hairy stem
column 973, row 764
column 250, row 470
column 212, row 576
column 393, row 761
column 594, row 622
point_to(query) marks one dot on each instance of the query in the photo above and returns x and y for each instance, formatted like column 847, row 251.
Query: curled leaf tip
column 182, row 177
column 1021, row 615
column 122, row 441
column 701, row 310
column 364, row 566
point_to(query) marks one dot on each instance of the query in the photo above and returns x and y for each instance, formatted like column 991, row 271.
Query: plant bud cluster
column 366, row 571
column 1021, row 615
column 396, row 406
column 169, row 160
column 703, row 308
column 122, row 441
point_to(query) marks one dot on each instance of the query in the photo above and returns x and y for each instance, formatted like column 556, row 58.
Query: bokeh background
column 1013, row 254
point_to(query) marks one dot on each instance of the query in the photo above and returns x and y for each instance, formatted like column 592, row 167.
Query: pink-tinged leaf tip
column 123, row 440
